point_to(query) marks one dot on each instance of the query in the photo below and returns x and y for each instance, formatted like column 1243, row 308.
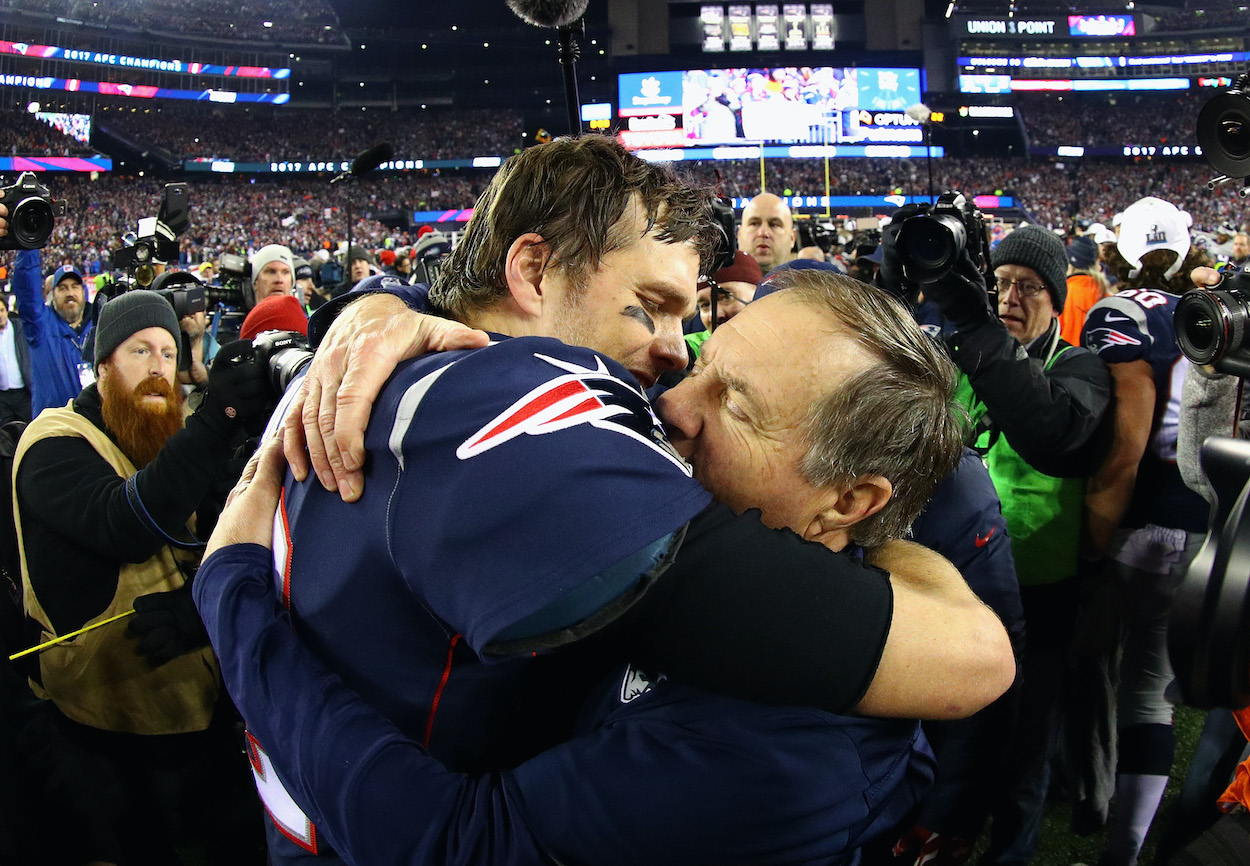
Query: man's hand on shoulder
column 358, row 354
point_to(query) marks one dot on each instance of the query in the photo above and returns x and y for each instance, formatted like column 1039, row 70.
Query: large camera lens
column 31, row 222
column 929, row 245
column 1224, row 133
column 1211, row 323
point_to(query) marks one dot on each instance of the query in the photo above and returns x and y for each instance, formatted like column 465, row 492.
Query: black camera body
column 32, row 213
column 156, row 241
column 1211, row 324
column 236, row 283
column 1223, row 131
column 183, row 291
column 283, row 354
column 929, row 242
column 816, row 234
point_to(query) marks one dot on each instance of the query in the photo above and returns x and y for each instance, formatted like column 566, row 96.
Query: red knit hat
column 275, row 313
column 387, row 257
column 744, row 270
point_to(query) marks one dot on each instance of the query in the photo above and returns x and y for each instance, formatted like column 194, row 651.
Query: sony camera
column 32, row 213
column 929, row 241
column 1211, row 324
column 156, row 241
column 283, row 354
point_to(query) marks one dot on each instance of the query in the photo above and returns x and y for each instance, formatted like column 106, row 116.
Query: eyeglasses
column 1023, row 288
column 723, row 295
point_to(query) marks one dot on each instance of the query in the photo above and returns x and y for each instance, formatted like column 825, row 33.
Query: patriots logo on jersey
column 636, row 684
column 581, row 396
column 1097, row 339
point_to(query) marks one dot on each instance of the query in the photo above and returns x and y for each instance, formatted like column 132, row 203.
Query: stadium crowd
column 239, row 214
column 285, row 21
column 249, row 135
column 1023, row 417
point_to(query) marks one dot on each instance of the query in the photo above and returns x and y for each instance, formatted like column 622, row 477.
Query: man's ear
column 847, row 506
column 524, row 268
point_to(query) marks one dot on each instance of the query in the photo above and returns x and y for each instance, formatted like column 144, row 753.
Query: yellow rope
column 56, row 640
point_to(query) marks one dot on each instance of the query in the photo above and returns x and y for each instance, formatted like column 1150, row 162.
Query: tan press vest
column 97, row 678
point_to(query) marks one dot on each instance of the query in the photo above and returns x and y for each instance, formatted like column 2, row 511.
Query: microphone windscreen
column 372, row 158
column 549, row 13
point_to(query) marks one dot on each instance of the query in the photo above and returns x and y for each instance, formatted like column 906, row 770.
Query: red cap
column 275, row 313
column 744, row 270
column 387, row 257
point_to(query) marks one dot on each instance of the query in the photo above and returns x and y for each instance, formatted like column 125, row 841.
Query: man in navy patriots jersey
column 659, row 773
column 520, row 498
column 1140, row 515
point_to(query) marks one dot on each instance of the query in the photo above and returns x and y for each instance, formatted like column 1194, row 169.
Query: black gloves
column 890, row 274
column 961, row 295
column 238, row 395
column 167, row 625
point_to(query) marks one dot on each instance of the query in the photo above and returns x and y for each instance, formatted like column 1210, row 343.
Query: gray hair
column 895, row 419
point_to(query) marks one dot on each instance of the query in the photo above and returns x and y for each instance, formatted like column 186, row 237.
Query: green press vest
column 1043, row 513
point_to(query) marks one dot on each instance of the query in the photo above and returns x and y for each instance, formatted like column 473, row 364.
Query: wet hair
column 578, row 194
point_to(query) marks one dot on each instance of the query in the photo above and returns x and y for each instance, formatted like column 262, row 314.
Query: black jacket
column 1056, row 419
column 79, row 525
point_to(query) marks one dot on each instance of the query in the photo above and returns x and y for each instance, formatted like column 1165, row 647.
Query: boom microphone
column 372, row 158
column 549, row 13
column 367, row 161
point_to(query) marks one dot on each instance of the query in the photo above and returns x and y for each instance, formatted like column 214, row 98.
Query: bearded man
column 56, row 333
column 106, row 493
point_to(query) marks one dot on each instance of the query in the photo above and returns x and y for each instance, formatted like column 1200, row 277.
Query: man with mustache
column 106, row 492
column 56, row 333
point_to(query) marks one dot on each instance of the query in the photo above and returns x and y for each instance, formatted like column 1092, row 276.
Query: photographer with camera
column 107, row 489
column 1037, row 404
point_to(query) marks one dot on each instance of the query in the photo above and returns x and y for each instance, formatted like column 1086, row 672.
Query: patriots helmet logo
column 1098, row 339
column 580, row 396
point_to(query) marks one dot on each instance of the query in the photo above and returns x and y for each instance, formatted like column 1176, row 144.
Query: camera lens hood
column 1224, row 133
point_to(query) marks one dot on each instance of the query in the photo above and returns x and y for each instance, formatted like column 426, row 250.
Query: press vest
column 1043, row 513
column 98, row 679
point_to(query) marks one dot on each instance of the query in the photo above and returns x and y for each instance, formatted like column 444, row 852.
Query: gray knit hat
column 1040, row 249
column 128, row 314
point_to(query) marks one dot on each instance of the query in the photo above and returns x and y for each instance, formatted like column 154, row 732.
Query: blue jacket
column 55, row 347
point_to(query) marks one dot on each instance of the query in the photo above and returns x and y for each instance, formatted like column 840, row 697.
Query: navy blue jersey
column 662, row 774
column 964, row 522
column 516, row 497
column 1136, row 325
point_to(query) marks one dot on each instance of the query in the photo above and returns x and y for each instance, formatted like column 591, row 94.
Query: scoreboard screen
column 787, row 104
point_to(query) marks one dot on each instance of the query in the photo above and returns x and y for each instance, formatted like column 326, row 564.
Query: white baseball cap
column 1154, row 224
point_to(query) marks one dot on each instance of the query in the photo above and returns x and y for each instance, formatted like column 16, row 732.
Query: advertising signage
column 103, row 58
column 1074, row 26
column 799, row 105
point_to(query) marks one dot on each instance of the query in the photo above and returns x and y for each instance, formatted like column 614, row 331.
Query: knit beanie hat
column 358, row 252
column 275, row 313
column 303, row 270
column 273, row 253
column 128, row 314
column 745, row 269
column 1040, row 249
column 1083, row 252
